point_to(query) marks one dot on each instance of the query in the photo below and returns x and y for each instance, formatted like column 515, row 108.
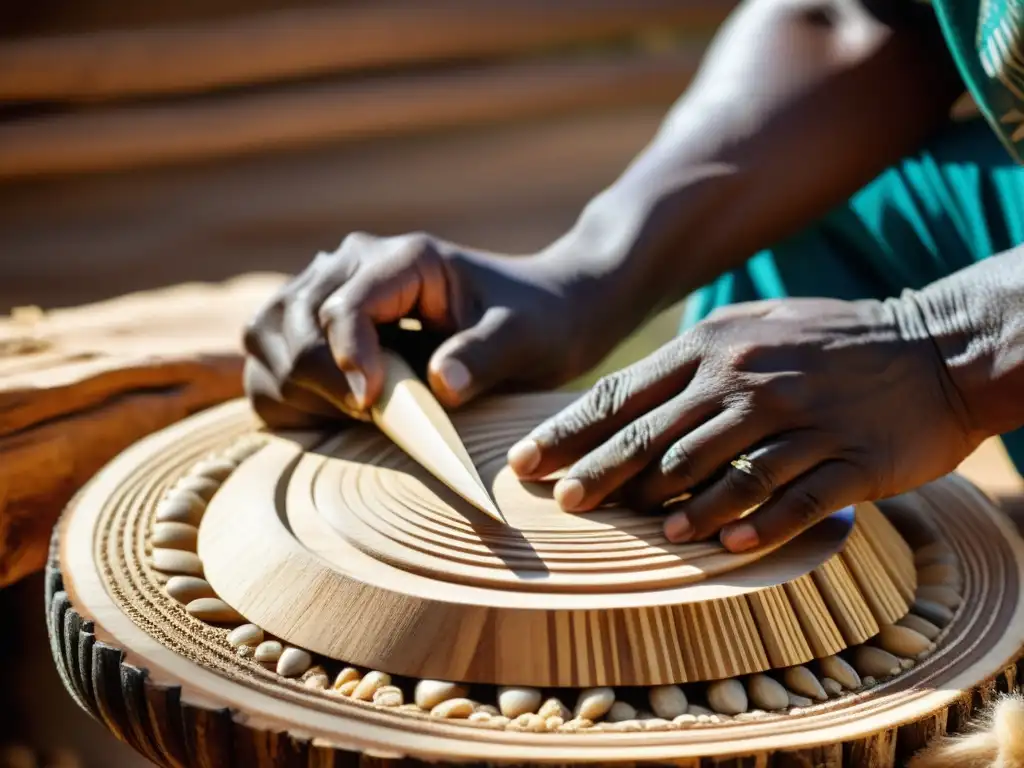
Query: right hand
column 314, row 351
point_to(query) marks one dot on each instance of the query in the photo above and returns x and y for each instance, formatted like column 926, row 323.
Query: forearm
column 976, row 319
column 796, row 106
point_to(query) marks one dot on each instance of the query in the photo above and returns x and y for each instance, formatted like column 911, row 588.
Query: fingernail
column 357, row 384
column 739, row 538
column 678, row 528
column 454, row 375
column 524, row 457
column 569, row 493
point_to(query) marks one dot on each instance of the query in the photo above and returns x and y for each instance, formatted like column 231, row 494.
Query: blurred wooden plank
column 512, row 188
column 132, row 136
column 40, row 18
column 303, row 42
column 78, row 386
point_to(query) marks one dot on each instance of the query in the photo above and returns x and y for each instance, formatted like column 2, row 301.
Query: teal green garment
column 957, row 202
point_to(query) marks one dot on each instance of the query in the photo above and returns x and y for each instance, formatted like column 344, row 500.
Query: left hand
column 830, row 402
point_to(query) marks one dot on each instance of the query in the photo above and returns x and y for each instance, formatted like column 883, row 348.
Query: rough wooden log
column 303, row 42
column 125, row 137
column 77, row 386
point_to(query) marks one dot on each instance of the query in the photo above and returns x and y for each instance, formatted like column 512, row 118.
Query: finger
column 294, row 408
column 591, row 479
column 694, row 458
column 264, row 336
column 743, row 486
column 317, row 373
column 355, row 349
column 825, row 489
column 300, row 325
column 311, row 364
column 612, row 403
column 384, row 292
column 478, row 358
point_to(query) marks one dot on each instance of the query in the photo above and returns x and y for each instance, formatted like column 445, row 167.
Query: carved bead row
column 789, row 691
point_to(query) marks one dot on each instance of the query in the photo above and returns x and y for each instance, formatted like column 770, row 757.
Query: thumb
column 477, row 359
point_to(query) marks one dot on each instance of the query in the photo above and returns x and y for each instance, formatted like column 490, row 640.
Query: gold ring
column 744, row 464
column 762, row 481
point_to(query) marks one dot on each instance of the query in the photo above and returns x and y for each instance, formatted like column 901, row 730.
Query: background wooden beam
column 307, row 41
column 131, row 136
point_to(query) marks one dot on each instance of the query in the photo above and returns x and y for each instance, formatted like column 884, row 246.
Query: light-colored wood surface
column 313, row 40
column 188, row 678
column 386, row 543
column 411, row 416
column 77, row 386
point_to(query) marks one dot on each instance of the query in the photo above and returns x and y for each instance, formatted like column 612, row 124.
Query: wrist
column 975, row 320
column 600, row 265
column 647, row 241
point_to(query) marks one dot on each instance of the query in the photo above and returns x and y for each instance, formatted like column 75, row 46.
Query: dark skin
column 797, row 105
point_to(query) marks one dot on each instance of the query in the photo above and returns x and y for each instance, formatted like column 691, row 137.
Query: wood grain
column 603, row 597
column 213, row 713
column 311, row 41
column 132, row 136
column 77, row 386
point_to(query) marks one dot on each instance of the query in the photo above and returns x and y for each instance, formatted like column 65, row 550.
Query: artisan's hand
column 831, row 402
column 315, row 349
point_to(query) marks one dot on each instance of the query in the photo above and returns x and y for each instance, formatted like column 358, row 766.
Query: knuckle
column 419, row 239
column 752, row 486
column 865, row 471
column 782, row 392
column 333, row 307
column 745, row 356
column 303, row 297
column 607, row 397
column 411, row 247
column 678, row 464
column 634, row 442
column 803, row 506
column 355, row 241
column 702, row 336
column 265, row 323
column 252, row 336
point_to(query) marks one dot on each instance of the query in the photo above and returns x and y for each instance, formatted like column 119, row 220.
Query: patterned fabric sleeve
column 986, row 38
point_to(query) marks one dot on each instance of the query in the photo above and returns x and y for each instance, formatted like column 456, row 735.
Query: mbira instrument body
column 219, row 595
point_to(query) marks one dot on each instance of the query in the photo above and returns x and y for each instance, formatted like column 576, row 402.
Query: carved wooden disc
column 384, row 504
column 174, row 684
column 311, row 529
